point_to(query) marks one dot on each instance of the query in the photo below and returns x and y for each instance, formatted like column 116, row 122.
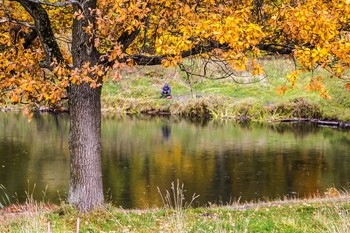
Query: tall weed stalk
column 4, row 198
column 175, row 200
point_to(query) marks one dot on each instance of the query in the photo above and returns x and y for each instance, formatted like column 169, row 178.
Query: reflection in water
column 166, row 131
column 33, row 156
column 220, row 161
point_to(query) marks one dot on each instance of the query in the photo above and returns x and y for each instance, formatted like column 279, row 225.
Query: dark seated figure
column 166, row 91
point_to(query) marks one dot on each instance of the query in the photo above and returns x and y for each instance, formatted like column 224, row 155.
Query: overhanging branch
column 276, row 48
column 149, row 60
column 201, row 48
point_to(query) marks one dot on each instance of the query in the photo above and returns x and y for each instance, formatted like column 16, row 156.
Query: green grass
column 313, row 215
column 325, row 213
column 139, row 91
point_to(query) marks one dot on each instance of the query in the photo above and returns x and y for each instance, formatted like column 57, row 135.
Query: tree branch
column 149, row 60
column 57, row 4
column 205, row 47
column 127, row 38
column 28, row 37
column 15, row 21
column 44, row 30
column 276, row 48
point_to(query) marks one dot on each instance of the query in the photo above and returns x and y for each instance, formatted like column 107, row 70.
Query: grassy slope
column 138, row 91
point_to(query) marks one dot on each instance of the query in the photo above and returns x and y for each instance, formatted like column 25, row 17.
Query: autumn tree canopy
column 52, row 50
column 131, row 32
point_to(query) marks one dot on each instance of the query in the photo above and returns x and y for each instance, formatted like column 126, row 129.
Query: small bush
column 297, row 108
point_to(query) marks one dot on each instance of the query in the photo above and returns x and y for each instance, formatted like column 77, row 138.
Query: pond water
column 219, row 160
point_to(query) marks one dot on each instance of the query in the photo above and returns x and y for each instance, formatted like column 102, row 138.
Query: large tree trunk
column 86, row 190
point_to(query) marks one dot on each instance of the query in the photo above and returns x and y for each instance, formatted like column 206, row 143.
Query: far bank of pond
column 237, row 110
column 219, row 160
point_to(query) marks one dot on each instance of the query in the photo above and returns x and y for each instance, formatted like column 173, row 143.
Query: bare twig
column 15, row 21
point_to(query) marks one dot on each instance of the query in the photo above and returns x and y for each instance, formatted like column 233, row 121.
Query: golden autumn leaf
column 281, row 90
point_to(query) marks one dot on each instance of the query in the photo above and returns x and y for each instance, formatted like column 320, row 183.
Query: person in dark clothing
column 166, row 91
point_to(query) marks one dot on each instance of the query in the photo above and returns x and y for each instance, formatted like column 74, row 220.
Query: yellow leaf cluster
column 312, row 58
column 292, row 78
column 169, row 27
column 319, row 32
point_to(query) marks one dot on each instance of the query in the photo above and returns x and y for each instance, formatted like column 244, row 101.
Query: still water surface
column 220, row 161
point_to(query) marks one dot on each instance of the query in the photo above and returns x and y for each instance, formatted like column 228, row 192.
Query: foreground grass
column 241, row 98
column 311, row 215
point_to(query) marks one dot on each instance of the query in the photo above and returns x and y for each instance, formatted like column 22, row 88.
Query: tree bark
column 86, row 189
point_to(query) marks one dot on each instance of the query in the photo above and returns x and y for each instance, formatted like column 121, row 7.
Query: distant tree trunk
column 86, row 189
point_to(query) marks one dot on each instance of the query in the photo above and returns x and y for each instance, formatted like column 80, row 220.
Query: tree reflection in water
column 219, row 160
